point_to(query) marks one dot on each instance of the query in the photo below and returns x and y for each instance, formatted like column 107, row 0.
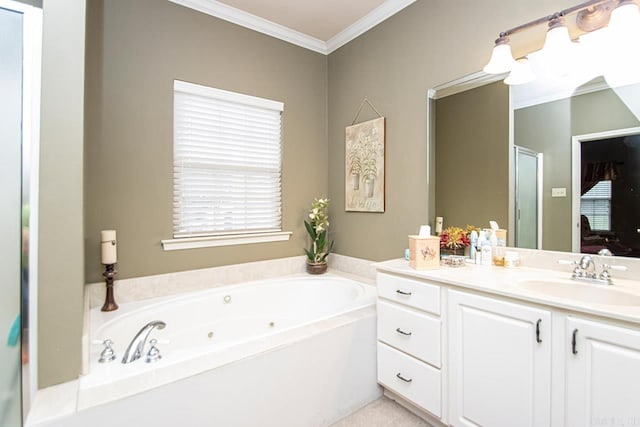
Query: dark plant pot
column 316, row 267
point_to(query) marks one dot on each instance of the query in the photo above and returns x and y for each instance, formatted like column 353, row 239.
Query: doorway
column 528, row 198
column 606, row 203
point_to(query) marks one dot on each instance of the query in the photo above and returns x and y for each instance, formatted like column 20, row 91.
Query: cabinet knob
column 574, row 350
column 538, row 339
column 402, row 292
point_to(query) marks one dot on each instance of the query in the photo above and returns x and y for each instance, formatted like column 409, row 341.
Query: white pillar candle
column 439, row 222
column 108, row 247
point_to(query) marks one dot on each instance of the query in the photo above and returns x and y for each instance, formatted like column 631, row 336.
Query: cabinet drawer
column 409, row 331
column 410, row 292
column 414, row 380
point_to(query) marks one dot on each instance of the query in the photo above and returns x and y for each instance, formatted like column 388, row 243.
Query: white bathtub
column 275, row 336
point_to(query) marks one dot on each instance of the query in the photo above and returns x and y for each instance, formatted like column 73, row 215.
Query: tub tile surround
column 140, row 288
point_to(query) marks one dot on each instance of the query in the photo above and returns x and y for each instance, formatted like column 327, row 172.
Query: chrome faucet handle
column 108, row 354
column 606, row 276
column 577, row 271
column 153, row 355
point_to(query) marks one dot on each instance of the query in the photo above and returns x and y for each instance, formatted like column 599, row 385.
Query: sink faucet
column 135, row 348
column 586, row 268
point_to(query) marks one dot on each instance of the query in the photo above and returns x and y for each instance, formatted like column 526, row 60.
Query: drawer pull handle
column 538, row 340
column 400, row 331
column 574, row 350
column 403, row 293
column 403, row 378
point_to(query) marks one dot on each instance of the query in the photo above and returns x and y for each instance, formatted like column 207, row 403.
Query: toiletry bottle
column 481, row 240
column 473, row 241
column 486, row 253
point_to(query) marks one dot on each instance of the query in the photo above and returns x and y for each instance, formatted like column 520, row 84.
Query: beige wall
column 394, row 65
column 135, row 49
column 472, row 147
column 548, row 128
column 61, row 250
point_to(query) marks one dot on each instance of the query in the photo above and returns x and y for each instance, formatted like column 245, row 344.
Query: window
column 595, row 204
column 227, row 167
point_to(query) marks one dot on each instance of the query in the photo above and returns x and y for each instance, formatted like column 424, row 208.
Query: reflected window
column 595, row 204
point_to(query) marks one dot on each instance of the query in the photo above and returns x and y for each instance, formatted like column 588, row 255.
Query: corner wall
column 135, row 49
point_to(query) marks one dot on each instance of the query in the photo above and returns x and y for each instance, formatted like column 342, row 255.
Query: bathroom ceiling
column 320, row 19
column 319, row 25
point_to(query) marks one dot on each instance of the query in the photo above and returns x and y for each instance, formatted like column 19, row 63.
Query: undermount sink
column 585, row 292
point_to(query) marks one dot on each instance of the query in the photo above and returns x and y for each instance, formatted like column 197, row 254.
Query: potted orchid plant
column 317, row 228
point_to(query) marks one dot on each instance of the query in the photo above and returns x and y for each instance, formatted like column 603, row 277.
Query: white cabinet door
column 500, row 363
column 603, row 374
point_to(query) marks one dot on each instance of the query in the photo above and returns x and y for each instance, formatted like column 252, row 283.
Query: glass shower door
column 11, row 74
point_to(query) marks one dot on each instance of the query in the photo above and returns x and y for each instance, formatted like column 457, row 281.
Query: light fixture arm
column 560, row 14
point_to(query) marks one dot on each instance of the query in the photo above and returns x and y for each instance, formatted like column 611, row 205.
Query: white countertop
column 507, row 282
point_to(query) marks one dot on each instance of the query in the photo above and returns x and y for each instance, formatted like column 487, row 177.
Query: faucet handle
column 108, row 354
column 567, row 262
column 605, row 271
column 153, row 355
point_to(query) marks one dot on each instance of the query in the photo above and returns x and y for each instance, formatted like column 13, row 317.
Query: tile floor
column 383, row 412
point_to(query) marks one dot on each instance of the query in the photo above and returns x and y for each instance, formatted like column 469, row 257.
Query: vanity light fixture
column 560, row 52
column 501, row 58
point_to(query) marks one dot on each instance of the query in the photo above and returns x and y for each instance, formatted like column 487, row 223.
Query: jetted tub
column 274, row 352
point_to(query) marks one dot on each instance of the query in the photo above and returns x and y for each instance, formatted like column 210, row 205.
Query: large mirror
column 556, row 162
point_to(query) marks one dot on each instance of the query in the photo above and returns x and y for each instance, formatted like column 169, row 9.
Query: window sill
column 230, row 240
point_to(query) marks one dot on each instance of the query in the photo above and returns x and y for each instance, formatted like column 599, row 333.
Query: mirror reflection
column 558, row 164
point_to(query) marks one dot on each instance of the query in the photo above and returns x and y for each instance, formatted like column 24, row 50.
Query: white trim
column 594, row 86
column 576, row 172
column 226, row 95
column 367, row 22
column 228, row 240
column 256, row 23
column 270, row 28
column 468, row 82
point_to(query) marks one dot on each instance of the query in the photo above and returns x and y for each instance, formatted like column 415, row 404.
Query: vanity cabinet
column 499, row 362
column 603, row 374
column 409, row 340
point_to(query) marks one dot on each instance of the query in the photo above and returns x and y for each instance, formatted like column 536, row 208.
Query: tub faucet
column 135, row 348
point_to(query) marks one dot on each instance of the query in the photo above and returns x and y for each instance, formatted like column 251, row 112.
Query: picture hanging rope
column 360, row 110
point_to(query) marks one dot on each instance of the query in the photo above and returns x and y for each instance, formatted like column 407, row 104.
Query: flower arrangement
column 317, row 228
column 456, row 237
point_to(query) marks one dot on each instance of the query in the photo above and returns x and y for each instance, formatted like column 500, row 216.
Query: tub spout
column 135, row 348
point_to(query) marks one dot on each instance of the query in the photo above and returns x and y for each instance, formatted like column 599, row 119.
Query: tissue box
column 424, row 252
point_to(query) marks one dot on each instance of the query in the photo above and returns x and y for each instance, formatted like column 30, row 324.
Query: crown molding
column 256, row 23
column 367, row 22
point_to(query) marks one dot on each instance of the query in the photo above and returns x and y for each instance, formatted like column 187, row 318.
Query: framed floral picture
column 364, row 166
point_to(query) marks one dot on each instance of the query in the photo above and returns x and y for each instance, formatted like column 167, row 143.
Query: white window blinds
column 227, row 162
column 595, row 204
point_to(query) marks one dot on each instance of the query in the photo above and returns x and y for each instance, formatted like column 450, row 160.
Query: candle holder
column 109, row 276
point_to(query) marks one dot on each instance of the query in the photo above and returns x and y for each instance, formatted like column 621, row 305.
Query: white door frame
column 576, row 184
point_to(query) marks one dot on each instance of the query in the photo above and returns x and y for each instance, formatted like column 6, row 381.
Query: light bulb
column 559, row 51
column 521, row 73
